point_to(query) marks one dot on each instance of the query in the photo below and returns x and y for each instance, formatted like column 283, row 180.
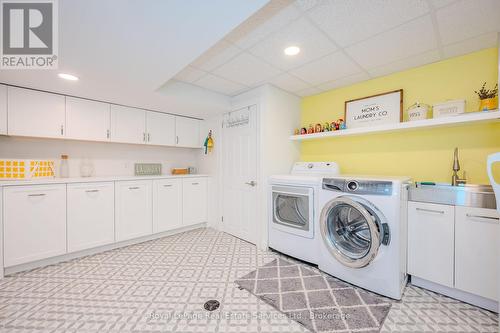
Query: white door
column 194, row 201
column 34, row 223
column 160, row 129
column 3, row 109
column 91, row 215
column 476, row 251
column 167, row 204
column 128, row 125
column 239, row 174
column 35, row 113
column 133, row 209
column 87, row 120
column 431, row 242
column 187, row 132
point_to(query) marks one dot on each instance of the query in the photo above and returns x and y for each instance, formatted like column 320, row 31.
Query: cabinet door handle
column 167, row 185
column 62, row 129
column 37, row 195
column 149, row 137
column 177, row 139
column 195, row 183
column 92, row 191
column 107, row 133
column 134, row 188
column 431, row 210
column 144, row 136
column 482, row 217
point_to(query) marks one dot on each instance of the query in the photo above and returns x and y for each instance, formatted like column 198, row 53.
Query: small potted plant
column 488, row 98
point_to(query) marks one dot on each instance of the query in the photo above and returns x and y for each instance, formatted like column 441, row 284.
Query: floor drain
column 211, row 305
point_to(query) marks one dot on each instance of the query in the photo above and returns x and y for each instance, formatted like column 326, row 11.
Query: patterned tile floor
column 161, row 285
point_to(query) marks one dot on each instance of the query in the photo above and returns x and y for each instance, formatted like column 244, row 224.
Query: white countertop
column 91, row 179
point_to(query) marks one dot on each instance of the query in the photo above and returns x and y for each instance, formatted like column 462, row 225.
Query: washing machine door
column 353, row 230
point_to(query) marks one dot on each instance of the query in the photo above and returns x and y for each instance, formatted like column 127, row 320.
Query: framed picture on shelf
column 385, row 108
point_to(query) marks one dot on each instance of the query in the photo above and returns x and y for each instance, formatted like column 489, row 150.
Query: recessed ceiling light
column 68, row 77
column 292, row 50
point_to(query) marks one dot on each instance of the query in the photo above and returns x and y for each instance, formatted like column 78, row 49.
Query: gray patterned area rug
column 316, row 300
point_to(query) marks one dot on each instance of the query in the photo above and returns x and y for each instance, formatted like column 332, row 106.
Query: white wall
column 210, row 164
column 279, row 114
column 108, row 158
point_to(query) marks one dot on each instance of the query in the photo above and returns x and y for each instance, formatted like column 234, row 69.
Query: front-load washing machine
column 293, row 209
column 363, row 236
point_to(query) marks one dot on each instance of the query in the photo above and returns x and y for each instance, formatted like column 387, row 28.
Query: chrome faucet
column 455, row 180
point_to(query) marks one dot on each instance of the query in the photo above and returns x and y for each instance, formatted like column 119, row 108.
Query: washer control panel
column 374, row 187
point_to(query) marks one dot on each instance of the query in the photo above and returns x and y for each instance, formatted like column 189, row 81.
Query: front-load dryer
column 293, row 209
column 363, row 226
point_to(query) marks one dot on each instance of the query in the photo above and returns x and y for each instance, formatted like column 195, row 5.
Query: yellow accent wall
column 425, row 154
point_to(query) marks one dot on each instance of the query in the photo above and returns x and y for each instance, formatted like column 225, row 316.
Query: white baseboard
column 463, row 296
column 69, row 256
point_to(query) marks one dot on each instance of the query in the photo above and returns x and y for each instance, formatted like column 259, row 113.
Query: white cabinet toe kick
column 453, row 250
column 50, row 223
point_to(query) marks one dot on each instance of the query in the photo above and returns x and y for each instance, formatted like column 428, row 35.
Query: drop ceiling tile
column 219, row 54
column 410, row 39
column 407, row 63
column 466, row 19
column 312, row 42
column 470, row 45
column 289, row 82
column 309, row 91
column 441, row 3
column 262, row 27
column 218, row 84
column 247, row 70
column 190, row 74
column 306, row 5
column 345, row 81
column 328, row 68
column 348, row 22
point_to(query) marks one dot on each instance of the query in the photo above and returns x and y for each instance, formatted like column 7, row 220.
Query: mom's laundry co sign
column 386, row 108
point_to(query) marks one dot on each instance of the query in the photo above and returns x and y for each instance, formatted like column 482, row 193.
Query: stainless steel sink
column 481, row 196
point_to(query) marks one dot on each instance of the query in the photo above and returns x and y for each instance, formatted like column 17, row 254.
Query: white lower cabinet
column 44, row 221
column 91, row 215
column 194, row 201
column 34, row 223
column 431, row 242
column 167, row 204
column 133, row 209
column 477, row 235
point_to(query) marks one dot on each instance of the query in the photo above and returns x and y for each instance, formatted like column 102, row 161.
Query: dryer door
column 353, row 230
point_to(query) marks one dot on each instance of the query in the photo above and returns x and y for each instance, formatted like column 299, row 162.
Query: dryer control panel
column 358, row 186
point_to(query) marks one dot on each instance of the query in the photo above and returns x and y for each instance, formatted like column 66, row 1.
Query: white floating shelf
column 467, row 118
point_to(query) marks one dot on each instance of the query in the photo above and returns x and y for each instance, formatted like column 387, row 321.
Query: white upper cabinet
column 128, row 125
column 160, row 129
column 87, row 120
column 26, row 112
column 3, row 109
column 35, row 113
column 188, row 132
column 476, row 252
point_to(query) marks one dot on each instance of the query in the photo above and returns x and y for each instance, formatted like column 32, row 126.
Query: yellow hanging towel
column 209, row 143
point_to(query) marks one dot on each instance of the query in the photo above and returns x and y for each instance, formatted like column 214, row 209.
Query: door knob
column 251, row 183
